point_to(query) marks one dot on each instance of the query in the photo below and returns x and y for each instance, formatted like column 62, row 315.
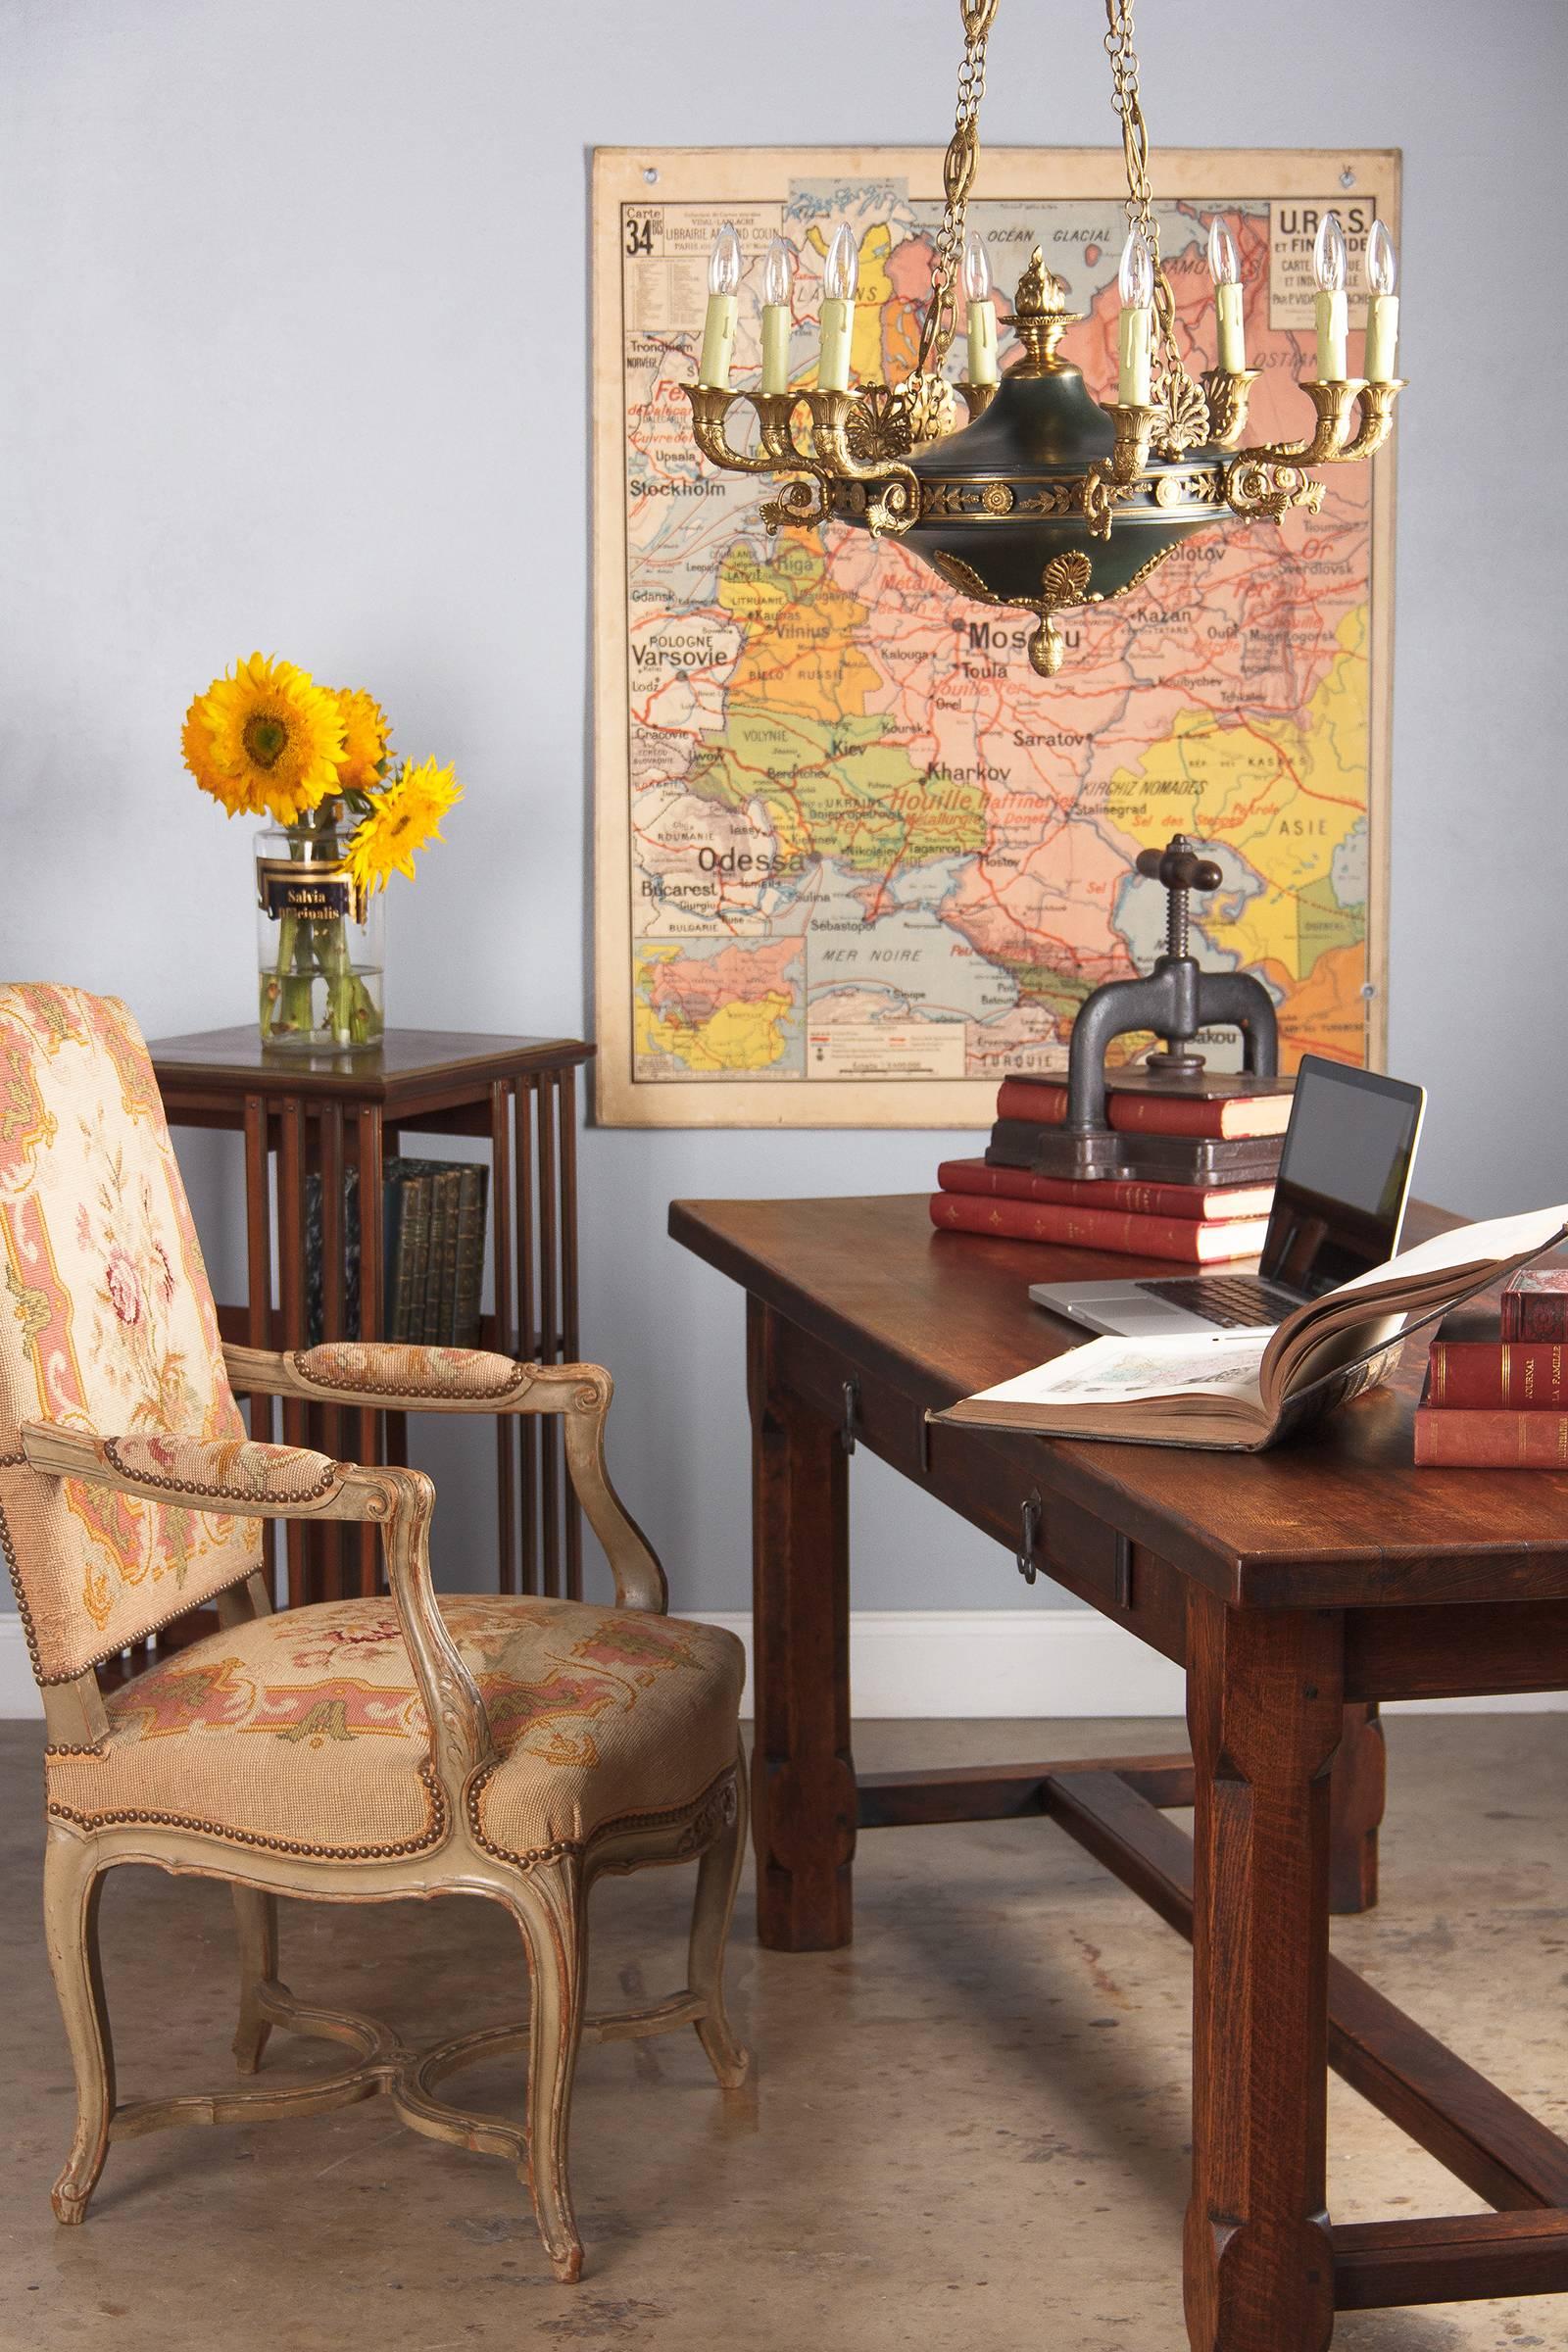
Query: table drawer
column 1000, row 1487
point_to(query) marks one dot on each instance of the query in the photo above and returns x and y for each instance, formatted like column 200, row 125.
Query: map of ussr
column 857, row 861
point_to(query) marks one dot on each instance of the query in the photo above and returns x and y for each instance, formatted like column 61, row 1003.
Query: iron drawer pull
column 852, row 1407
column 1030, row 1518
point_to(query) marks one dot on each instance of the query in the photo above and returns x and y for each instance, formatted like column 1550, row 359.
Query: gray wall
column 293, row 345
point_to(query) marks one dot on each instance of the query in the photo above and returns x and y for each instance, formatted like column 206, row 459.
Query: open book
column 1245, row 1389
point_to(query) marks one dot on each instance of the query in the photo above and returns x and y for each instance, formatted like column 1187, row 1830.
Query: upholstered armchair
column 356, row 1751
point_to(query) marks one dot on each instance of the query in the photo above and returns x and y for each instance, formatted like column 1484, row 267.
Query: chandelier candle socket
column 1225, row 268
column 1049, row 498
column 841, row 274
column 778, row 287
column 981, row 312
column 718, row 327
column 1382, row 305
column 1332, row 316
column 1136, row 280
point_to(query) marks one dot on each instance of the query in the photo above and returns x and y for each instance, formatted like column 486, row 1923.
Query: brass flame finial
column 1041, row 316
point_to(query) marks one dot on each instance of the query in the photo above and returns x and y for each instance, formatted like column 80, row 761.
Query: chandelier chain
column 1171, row 377
column 958, row 177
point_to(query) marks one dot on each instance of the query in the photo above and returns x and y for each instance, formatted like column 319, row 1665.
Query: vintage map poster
column 855, row 860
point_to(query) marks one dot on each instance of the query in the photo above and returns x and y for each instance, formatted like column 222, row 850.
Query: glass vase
column 320, row 942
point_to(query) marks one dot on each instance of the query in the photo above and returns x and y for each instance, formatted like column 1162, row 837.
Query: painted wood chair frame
column 548, row 1898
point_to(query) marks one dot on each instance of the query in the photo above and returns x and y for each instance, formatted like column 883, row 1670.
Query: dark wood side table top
column 1337, row 1519
column 409, row 1064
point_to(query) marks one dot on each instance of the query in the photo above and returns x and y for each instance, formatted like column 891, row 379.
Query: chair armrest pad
column 415, row 1375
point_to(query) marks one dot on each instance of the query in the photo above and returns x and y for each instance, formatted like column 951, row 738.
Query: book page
column 1485, row 1244
column 1115, row 1371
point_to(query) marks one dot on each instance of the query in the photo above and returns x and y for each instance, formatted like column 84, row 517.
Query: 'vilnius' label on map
column 857, row 861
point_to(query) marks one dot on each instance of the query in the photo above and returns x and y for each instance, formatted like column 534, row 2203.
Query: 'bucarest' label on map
column 869, row 861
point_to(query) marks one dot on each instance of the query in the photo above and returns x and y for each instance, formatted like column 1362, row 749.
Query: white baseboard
column 923, row 1664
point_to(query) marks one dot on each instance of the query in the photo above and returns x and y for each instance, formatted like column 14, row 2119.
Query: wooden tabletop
column 406, row 1060
column 945, row 1313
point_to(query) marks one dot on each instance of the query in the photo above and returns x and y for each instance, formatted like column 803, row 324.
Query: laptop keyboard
column 1237, row 1300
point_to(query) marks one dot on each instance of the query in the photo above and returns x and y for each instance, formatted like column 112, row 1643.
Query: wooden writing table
column 1299, row 1588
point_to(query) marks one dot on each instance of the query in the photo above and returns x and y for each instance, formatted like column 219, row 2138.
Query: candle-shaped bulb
column 718, row 325
column 778, row 274
column 724, row 262
column 1382, row 260
column 1136, row 276
column 981, row 312
column 841, row 271
column 1328, row 255
column 1224, row 261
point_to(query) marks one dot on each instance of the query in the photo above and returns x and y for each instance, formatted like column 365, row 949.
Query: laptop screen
column 1345, row 1171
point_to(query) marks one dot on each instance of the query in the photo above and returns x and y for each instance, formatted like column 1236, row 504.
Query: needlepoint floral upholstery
column 474, row 1374
column 107, row 1325
column 304, row 1731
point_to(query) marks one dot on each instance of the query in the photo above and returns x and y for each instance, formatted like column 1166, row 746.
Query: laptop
column 1339, row 1204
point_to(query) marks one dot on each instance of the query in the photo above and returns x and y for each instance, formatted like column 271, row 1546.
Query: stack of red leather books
column 1197, row 1223
column 1497, row 1387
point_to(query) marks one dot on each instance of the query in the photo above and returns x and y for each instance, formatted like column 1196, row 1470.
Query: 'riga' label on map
column 1292, row 226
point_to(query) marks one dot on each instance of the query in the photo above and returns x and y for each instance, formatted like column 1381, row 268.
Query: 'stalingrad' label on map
column 1293, row 226
column 666, row 250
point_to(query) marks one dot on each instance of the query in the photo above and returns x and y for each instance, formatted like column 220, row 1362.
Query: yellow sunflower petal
column 366, row 731
column 406, row 817
column 266, row 740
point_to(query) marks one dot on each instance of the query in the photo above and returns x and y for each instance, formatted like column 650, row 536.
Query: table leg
column 1264, row 1712
column 802, row 1775
column 1357, row 1785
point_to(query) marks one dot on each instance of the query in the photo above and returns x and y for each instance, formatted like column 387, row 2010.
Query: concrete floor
column 968, row 2131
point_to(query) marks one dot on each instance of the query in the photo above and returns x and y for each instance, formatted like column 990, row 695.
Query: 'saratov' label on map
column 1293, row 226
column 857, row 861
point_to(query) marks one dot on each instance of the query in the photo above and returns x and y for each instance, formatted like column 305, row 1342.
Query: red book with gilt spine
column 1185, row 1239
column 1535, row 1304
column 1530, row 1375
column 1445, row 1440
column 1135, row 1111
column 1223, row 1204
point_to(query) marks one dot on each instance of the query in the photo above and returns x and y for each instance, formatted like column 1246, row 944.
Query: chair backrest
column 106, row 1324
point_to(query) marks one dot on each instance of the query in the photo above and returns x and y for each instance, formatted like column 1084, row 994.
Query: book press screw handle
column 1180, row 868
column 1029, row 1519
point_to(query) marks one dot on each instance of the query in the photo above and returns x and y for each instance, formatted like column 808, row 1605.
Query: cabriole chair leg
column 551, row 1909
column 256, row 1915
column 717, row 1877
column 72, row 1886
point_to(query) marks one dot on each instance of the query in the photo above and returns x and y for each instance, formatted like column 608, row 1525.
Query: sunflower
column 404, row 816
column 265, row 740
column 365, row 730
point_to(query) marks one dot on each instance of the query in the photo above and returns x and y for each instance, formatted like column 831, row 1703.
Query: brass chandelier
column 1046, row 498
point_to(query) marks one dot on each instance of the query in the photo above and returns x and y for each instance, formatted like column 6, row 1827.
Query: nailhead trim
column 330, row 1477
column 18, row 1461
column 433, row 1835
column 521, row 1379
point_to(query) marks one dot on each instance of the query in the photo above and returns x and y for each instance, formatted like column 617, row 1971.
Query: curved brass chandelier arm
column 957, row 178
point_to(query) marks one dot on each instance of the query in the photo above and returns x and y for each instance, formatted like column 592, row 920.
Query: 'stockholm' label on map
column 856, row 860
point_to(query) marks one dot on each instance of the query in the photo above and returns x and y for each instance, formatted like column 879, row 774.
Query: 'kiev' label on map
column 1292, row 226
